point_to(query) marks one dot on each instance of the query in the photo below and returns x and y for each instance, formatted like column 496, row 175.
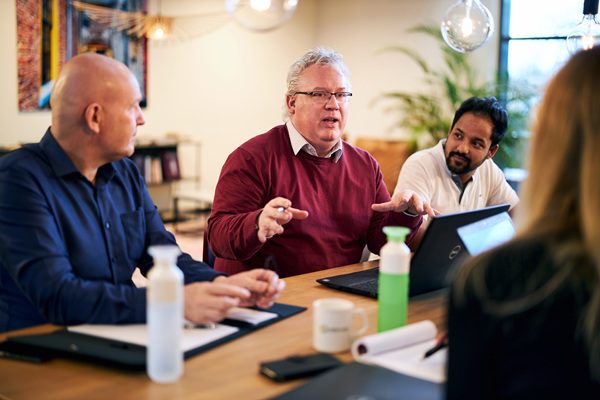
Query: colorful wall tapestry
column 50, row 32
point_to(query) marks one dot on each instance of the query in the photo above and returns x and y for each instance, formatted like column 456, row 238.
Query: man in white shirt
column 458, row 174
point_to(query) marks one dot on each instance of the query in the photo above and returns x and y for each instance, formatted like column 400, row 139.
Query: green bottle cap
column 396, row 233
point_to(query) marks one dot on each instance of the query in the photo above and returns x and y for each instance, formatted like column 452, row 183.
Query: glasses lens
column 320, row 96
column 342, row 96
column 323, row 97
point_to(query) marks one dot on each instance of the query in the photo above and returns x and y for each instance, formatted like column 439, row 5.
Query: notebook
column 433, row 263
column 117, row 351
column 362, row 381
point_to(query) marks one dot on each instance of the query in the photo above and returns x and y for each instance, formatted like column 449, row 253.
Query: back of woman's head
column 561, row 197
column 562, row 191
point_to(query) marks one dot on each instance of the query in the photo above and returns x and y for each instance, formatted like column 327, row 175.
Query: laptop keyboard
column 370, row 286
column 364, row 282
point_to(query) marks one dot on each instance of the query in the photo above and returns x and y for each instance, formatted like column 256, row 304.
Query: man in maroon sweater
column 340, row 200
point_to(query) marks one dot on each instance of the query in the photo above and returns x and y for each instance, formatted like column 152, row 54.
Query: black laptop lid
column 441, row 251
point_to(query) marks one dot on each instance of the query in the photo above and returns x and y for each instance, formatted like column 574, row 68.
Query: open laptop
column 433, row 263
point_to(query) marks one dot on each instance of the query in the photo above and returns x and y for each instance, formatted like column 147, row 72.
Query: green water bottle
column 392, row 300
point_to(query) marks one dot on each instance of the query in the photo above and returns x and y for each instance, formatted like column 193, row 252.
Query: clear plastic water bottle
column 392, row 298
column 164, row 362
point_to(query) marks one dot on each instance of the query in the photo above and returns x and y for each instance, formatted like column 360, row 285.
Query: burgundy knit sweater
column 338, row 197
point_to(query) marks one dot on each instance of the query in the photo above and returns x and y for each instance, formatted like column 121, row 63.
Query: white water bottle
column 164, row 312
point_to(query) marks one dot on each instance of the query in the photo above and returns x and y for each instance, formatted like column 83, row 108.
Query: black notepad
column 361, row 381
column 64, row 343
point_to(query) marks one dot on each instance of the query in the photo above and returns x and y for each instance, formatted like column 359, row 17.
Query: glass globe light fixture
column 586, row 34
column 468, row 24
column 261, row 15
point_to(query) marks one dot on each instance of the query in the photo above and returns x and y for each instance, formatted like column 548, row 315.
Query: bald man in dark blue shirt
column 76, row 218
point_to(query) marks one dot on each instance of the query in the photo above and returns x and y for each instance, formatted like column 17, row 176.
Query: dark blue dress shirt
column 68, row 248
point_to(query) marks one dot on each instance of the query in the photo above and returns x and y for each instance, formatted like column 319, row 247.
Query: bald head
column 95, row 111
column 85, row 79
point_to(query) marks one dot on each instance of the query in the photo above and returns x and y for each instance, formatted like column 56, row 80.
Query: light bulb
column 158, row 27
column 261, row 15
column 467, row 25
column 260, row 5
column 586, row 34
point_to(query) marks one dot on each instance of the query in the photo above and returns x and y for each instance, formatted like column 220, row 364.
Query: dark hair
column 489, row 107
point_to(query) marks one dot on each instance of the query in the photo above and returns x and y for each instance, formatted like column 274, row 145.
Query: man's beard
column 466, row 168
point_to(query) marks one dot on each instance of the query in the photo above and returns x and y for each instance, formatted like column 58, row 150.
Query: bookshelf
column 158, row 162
column 171, row 169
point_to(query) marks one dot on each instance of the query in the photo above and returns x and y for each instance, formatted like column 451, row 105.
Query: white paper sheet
column 249, row 315
column 402, row 350
column 138, row 334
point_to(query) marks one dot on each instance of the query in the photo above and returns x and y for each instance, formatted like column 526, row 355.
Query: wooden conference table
column 229, row 371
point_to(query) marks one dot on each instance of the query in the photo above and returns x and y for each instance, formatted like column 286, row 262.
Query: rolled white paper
column 394, row 339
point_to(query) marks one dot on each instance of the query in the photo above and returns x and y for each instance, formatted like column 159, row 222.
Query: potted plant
column 428, row 115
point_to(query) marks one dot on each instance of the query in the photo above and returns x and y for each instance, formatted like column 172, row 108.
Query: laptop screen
column 487, row 233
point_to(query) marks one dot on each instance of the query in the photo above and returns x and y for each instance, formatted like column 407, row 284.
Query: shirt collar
column 60, row 162
column 300, row 143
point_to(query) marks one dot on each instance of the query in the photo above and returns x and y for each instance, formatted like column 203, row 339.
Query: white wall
column 226, row 86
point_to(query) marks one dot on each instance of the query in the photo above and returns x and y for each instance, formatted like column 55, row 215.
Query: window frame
column 505, row 38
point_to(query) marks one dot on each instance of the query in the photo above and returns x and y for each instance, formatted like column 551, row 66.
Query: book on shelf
column 402, row 350
column 158, row 166
column 170, row 165
column 147, row 169
column 156, row 175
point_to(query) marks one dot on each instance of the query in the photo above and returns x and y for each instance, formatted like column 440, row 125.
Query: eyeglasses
column 321, row 96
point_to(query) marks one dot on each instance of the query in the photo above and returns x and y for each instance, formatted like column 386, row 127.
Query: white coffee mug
column 332, row 324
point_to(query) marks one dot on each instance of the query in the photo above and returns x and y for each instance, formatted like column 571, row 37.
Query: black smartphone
column 298, row 366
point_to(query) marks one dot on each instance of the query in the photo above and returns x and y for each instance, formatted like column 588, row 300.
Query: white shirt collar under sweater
column 300, row 143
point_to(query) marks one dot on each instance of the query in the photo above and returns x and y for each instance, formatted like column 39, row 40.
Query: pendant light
column 467, row 25
column 261, row 15
column 586, row 34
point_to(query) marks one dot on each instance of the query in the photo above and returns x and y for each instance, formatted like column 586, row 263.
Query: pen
column 441, row 343
column 190, row 325
column 279, row 210
column 271, row 263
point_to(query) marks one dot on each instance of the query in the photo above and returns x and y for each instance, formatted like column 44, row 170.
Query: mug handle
column 365, row 322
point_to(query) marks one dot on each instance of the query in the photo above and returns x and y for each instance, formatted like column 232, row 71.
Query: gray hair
column 318, row 55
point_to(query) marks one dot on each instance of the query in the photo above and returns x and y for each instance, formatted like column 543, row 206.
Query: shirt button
column 107, row 225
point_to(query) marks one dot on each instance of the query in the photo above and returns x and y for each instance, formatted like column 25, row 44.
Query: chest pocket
column 134, row 228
